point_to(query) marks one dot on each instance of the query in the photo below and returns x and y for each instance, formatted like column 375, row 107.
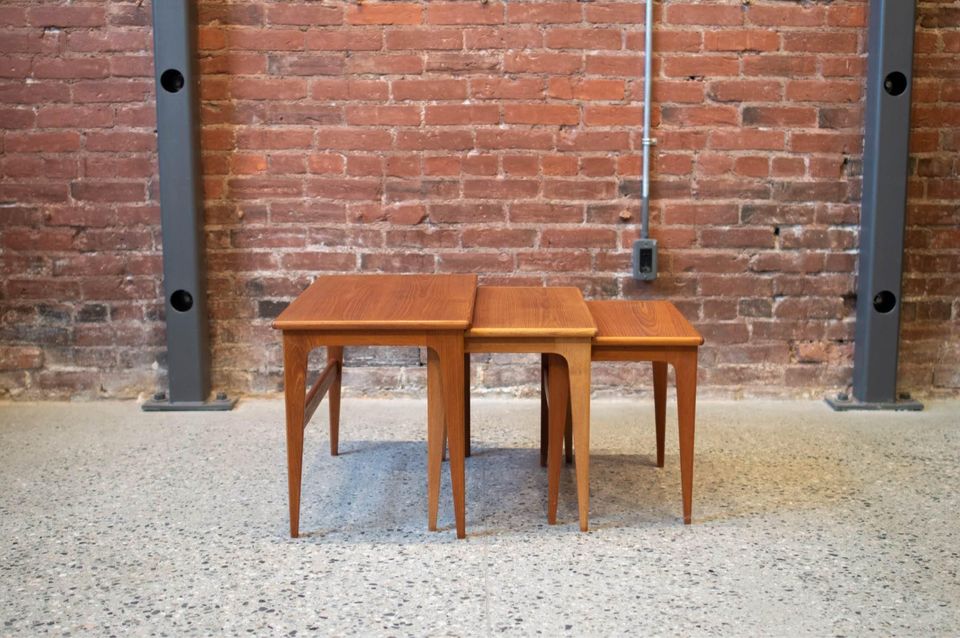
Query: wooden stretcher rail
column 319, row 390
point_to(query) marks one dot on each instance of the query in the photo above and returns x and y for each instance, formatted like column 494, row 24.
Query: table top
column 382, row 302
column 642, row 323
column 503, row 311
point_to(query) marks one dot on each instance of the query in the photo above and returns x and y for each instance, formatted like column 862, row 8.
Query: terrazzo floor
column 806, row 522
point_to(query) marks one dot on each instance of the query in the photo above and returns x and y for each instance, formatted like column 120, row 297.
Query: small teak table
column 557, row 323
column 647, row 331
column 379, row 310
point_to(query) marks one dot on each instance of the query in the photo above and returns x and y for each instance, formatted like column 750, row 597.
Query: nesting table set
column 452, row 317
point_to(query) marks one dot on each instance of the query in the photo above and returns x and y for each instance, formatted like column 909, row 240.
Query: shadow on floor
column 379, row 488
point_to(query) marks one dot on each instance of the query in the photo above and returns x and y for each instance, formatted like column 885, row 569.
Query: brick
column 502, row 38
column 329, row 40
column 771, row 116
column 568, row 89
column 384, row 13
column 559, row 165
column 541, row 63
column 42, row 142
column 230, row 14
column 543, row 12
column 702, row 66
column 434, row 140
column 578, row 189
column 593, row 39
column 466, row 213
column 101, row 42
column 448, row 115
column 741, row 40
column 465, row 13
column 495, row 89
column 425, row 39
column 429, row 89
column 383, row 115
column 515, row 139
column 629, row 65
column 593, row 141
column 500, row 188
column 398, row 263
column 303, row 15
column 615, row 13
column 461, row 62
column 783, row 15
column 821, row 42
column 311, row 64
column 264, row 138
column 67, row 16
column 697, row 116
column 578, row 238
column 121, row 142
column 746, row 91
column 346, row 138
column 344, row 189
column 707, row 14
column 498, row 238
column 17, row 118
column 447, row 166
column 546, row 213
column 476, row 261
column 113, row 91
column 70, row 68
column 540, row 114
column 823, row 91
column 28, row 166
column 354, row 90
column 268, row 89
column 554, row 261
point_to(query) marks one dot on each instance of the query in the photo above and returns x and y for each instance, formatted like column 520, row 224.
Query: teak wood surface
column 383, row 302
column 380, row 310
column 554, row 322
column 505, row 311
column 639, row 323
column 652, row 331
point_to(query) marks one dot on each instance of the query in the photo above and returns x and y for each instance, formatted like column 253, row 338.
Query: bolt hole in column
column 171, row 80
column 181, row 300
column 884, row 301
column 895, row 83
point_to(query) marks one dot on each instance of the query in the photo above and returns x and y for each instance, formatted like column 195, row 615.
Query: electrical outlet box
column 645, row 259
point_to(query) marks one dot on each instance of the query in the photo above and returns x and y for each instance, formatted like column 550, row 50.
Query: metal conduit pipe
column 645, row 249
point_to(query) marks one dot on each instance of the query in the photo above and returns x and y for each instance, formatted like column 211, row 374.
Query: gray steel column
column 181, row 210
column 883, row 208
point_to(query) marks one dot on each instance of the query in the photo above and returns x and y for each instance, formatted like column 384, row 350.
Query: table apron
column 314, row 339
column 668, row 354
column 552, row 345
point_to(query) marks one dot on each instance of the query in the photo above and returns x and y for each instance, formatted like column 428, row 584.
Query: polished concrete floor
column 806, row 522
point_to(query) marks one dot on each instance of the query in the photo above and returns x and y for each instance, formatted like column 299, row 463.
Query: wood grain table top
column 641, row 323
column 382, row 302
column 503, row 311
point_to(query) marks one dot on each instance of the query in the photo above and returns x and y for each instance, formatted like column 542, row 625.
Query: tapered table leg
column 660, row 405
column 294, row 393
column 449, row 348
column 558, row 390
column 466, row 404
column 335, row 354
column 685, row 366
column 578, row 365
column 435, row 436
column 544, row 409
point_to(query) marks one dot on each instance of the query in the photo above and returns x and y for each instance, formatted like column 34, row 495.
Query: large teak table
column 380, row 310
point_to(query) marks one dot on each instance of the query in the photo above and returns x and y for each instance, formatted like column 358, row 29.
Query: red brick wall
column 500, row 138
